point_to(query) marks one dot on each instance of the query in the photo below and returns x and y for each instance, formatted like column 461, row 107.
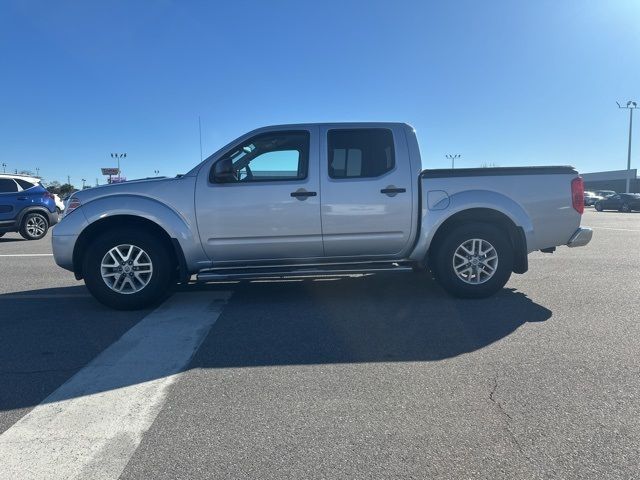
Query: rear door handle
column 303, row 194
column 392, row 191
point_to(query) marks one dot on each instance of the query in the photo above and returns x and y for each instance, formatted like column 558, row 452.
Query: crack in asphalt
column 508, row 419
column 492, row 397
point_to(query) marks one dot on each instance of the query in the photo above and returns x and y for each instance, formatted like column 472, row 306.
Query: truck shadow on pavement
column 48, row 335
column 383, row 318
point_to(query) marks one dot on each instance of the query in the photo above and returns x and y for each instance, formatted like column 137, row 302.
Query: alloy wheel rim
column 36, row 226
column 475, row 261
column 126, row 269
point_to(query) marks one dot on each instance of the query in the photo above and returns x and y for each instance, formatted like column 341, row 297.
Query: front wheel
column 34, row 226
column 128, row 269
column 598, row 207
column 473, row 261
column 625, row 208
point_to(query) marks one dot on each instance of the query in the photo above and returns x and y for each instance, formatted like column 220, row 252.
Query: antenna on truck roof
column 200, row 132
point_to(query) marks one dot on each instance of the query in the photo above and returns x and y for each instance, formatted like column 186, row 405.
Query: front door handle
column 392, row 191
column 302, row 194
column 22, row 198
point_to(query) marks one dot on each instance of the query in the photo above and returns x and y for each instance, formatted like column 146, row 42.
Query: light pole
column 68, row 179
column 83, row 182
column 4, row 167
column 631, row 106
column 453, row 159
column 156, row 172
column 37, row 172
column 118, row 156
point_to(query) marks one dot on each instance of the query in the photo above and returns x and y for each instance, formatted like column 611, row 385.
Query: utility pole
column 453, row 159
column 68, row 180
column 631, row 106
column 4, row 167
column 119, row 156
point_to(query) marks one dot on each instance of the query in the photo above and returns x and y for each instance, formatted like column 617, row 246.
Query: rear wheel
column 34, row 226
column 473, row 261
column 598, row 207
column 128, row 269
column 625, row 208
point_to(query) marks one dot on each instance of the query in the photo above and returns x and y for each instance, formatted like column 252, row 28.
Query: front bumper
column 64, row 236
column 580, row 237
column 62, row 246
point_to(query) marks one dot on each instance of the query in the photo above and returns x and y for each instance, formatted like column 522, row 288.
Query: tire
column 598, row 207
column 158, row 276
column 34, row 226
column 625, row 208
column 483, row 235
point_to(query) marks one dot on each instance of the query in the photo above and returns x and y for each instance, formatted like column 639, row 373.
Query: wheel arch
column 515, row 233
column 33, row 209
column 94, row 229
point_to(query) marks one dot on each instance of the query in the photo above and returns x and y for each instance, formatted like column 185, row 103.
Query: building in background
column 612, row 180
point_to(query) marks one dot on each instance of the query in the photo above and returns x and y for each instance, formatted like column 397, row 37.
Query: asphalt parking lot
column 368, row 377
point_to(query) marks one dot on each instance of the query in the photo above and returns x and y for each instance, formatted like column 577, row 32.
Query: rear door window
column 360, row 153
column 7, row 185
column 24, row 184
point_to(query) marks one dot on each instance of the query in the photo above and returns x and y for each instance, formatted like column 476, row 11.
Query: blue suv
column 26, row 207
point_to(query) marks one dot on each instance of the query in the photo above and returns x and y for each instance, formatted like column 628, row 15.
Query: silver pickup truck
column 309, row 199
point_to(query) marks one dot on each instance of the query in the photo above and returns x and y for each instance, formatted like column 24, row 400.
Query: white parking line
column 29, row 255
column 618, row 229
column 92, row 424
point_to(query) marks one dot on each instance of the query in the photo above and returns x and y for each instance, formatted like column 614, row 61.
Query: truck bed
column 537, row 199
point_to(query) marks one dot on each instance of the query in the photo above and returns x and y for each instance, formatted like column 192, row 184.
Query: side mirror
column 223, row 171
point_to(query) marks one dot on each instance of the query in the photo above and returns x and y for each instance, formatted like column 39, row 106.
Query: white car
column 60, row 206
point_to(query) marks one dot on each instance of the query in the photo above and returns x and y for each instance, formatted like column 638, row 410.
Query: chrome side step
column 271, row 272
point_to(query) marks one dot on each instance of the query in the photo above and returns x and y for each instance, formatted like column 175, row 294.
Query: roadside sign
column 110, row 171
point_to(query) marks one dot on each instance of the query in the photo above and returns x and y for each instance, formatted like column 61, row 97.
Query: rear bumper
column 53, row 218
column 580, row 237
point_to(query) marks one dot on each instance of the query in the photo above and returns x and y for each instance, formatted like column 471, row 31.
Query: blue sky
column 504, row 82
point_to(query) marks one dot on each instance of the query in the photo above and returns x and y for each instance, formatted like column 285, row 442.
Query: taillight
column 71, row 206
column 577, row 194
